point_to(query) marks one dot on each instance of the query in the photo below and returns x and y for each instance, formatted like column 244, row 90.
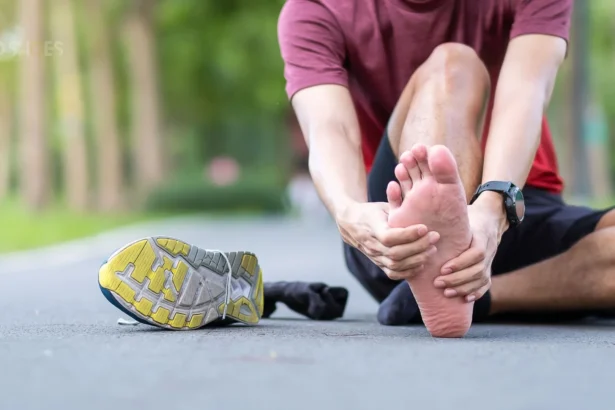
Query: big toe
column 443, row 165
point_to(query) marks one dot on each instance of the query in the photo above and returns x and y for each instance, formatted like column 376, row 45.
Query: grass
column 23, row 230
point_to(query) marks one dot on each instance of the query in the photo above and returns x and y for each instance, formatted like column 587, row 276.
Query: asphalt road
column 60, row 346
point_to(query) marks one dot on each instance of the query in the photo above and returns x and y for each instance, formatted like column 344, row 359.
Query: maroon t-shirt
column 374, row 46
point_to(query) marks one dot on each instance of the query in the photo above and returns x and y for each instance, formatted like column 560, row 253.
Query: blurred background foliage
column 119, row 110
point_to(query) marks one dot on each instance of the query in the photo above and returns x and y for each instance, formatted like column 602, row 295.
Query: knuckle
column 395, row 255
column 481, row 254
column 395, row 266
column 384, row 238
column 391, row 274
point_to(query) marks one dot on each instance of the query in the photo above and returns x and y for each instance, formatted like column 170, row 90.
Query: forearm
column 336, row 166
column 522, row 95
column 512, row 144
column 514, row 135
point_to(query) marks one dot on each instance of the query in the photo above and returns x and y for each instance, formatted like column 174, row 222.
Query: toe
column 419, row 152
column 402, row 175
column 407, row 159
column 394, row 195
column 443, row 165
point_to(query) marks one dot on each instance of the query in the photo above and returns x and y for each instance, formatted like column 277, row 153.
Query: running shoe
column 167, row 283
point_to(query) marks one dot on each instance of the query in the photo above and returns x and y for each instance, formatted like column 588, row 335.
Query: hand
column 399, row 252
column 469, row 275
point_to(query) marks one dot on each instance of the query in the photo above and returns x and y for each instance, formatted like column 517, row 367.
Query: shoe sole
column 167, row 283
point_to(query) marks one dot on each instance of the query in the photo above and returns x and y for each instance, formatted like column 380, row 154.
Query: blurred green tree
column 34, row 176
column 102, row 84
column 146, row 132
column 63, row 52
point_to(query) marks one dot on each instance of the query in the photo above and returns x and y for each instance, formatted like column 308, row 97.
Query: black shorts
column 550, row 227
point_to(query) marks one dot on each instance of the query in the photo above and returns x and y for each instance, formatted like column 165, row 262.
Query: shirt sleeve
column 549, row 17
column 312, row 46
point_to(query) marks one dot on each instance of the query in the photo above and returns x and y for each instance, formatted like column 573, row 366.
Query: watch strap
column 502, row 187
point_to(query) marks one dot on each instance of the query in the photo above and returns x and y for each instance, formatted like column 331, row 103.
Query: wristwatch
column 514, row 203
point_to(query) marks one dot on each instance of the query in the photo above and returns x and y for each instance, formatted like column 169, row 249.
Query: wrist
column 341, row 208
column 492, row 204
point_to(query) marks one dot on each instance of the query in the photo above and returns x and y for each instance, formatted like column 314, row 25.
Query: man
column 393, row 97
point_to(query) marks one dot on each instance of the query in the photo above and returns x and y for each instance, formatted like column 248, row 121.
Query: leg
column 444, row 104
column 575, row 273
column 434, row 192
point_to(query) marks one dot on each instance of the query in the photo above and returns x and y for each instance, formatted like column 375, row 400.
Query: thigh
column 551, row 227
column 373, row 279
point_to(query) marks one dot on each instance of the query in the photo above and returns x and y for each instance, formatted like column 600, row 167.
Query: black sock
column 314, row 300
column 481, row 308
column 399, row 308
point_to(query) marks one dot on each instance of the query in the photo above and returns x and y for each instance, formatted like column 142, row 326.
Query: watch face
column 519, row 203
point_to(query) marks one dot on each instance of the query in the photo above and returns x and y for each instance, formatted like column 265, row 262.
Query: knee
column 455, row 65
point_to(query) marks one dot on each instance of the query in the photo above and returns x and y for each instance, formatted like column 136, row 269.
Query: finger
column 404, row 275
column 466, row 289
column 390, row 237
column 473, row 273
column 401, row 173
column 407, row 264
column 394, row 195
column 469, row 258
column 479, row 293
column 408, row 160
column 404, row 251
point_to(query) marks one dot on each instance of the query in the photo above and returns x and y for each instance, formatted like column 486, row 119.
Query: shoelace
column 229, row 285
column 227, row 298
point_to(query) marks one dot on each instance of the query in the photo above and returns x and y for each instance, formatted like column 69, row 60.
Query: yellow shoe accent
column 144, row 306
column 248, row 263
column 169, row 295
column 126, row 292
column 259, row 294
column 179, row 247
column 156, row 280
column 178, row 321
column 179, row 274
column 161, row 316
column 143, row 264
column 196, row 321
column 234, row 310
column 107, row 276
column 174, row 246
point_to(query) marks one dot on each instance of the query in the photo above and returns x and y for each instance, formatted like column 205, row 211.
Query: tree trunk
column 69, row 95
column 35, row 178
column 106, row 134
column 6, row 129
column 146, row 130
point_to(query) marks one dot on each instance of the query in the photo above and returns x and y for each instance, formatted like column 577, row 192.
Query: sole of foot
column 430, row 192
column 170, row 284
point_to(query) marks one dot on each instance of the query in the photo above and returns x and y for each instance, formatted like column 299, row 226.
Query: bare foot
column 433, row 195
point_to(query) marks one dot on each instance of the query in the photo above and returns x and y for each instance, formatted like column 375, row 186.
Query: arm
column 313, row 50
column 535, row 52
column 524, row 89
column 329, row 123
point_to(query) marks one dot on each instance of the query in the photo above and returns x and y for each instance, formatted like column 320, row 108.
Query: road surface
column 60, row 345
